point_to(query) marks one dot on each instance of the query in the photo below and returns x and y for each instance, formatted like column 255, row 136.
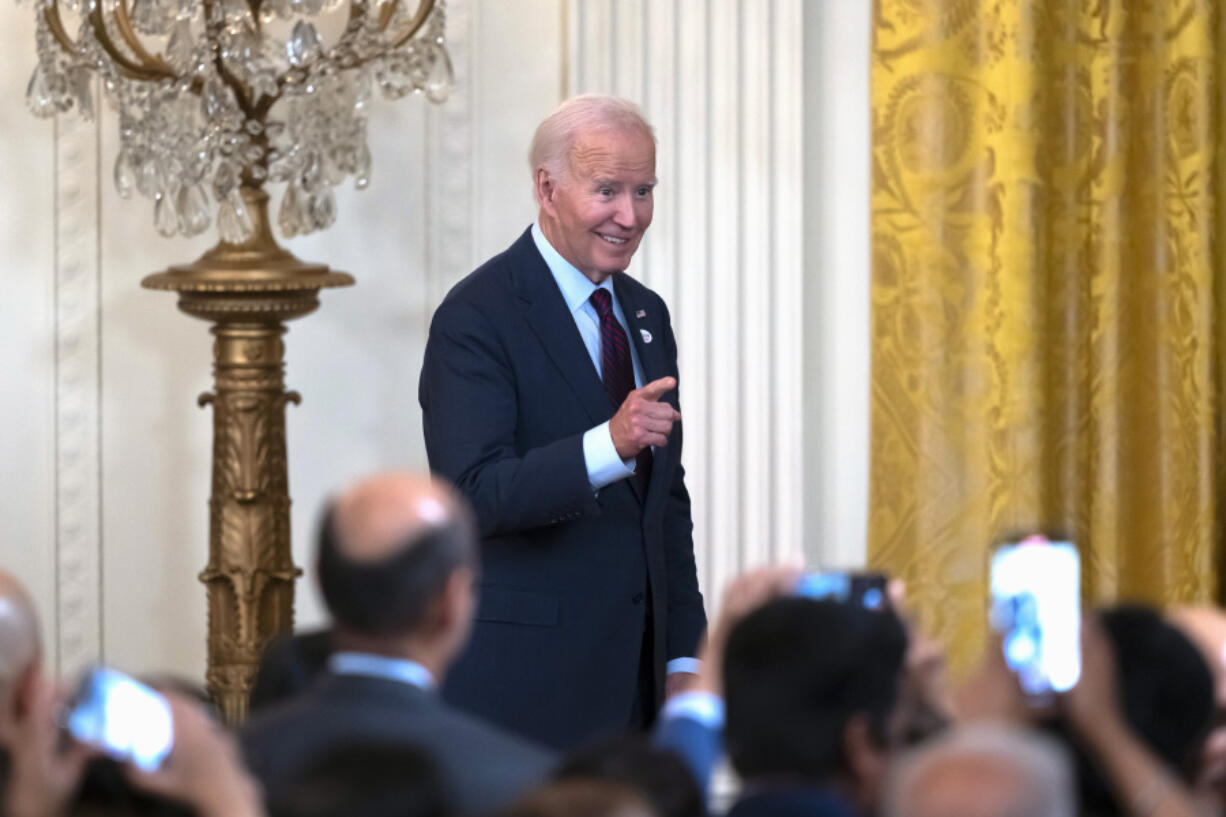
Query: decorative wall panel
column 78, row 486
column 720, row 81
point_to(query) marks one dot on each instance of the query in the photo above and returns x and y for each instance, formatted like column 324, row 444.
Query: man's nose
column 625, row 215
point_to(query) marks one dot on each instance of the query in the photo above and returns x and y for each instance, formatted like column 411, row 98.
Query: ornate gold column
column 247, row 291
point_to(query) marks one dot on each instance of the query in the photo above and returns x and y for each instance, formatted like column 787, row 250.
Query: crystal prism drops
column 192, row 209
column 230, row 100
column 441, row 76
column 179, row 49
column 233, row 221
column 164, row 216
column 289, row 218
column 322, row 209
column 125, row 174
column 38, row 96
column 303, row 44
column 148, row 177
column 150, row 17
column 225, row 180
column 81, row 85
column 361, row 172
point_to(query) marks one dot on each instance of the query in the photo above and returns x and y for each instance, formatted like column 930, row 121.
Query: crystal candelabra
column 215, row 99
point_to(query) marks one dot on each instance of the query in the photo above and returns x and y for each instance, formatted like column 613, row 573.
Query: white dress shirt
column 381, row 666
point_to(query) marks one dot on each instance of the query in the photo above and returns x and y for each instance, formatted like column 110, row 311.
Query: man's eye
column 644, row 192
column 606, row 191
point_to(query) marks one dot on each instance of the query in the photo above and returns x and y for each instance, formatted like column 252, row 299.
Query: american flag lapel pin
column 642, row 313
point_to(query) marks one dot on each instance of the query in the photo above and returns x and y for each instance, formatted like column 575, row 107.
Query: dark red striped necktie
column 617, row 370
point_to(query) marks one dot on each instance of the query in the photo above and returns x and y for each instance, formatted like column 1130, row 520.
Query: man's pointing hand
column 643, row 420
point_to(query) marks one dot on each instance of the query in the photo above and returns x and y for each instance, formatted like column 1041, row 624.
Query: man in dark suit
column 397, row 562
column 288, row 667
column 549, row 398
column 816, row 706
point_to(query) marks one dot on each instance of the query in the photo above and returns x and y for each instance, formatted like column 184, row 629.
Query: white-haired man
column 549, row 397
column 983, row 771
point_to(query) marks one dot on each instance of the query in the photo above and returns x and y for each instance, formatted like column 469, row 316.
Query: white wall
column 836, row 298
column 104, row 457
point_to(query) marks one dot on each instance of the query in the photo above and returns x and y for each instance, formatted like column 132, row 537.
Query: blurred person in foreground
column 582, row 798
column 817, row 704
column 654, row 771
column 982, row 771
column 397, row 563
column 1135, row 722
column 1206, row 627
column 370, row 779
column 44, row 769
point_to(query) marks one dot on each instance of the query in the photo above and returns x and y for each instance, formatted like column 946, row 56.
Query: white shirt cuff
column 600, row 456
column 704, row 707
column 691, row 665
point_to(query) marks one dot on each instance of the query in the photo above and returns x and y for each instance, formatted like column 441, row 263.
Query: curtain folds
column 1047, row 287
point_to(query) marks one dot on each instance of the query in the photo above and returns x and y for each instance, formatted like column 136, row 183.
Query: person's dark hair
column 390, row 595
column 658, row 774
column 580, row 798
column 1166, row 692
column 795, row 671
column 370, row 779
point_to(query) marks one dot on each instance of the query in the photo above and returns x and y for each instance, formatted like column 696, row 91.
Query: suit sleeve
column 687, row 618
column 469, row 412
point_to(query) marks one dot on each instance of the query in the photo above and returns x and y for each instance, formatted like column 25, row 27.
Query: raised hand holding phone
column 121, row 717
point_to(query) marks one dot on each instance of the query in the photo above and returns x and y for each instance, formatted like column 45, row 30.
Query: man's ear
column 455, row 602
column 545, row 185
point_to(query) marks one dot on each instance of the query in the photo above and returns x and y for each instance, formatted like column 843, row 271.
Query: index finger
column 657, row 388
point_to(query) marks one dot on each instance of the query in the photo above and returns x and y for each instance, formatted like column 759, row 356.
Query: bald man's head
column 387, row 547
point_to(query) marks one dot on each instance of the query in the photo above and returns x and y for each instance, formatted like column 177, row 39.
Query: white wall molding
column 449, row 171
column 78, row 486
column 720, row 81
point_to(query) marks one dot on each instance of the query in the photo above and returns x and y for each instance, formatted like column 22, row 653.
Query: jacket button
column 638, row 598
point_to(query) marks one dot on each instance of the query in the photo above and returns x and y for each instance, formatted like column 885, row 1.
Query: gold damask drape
column 1047, row 288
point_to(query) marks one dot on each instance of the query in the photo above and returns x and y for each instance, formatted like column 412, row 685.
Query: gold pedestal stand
column 247, row 291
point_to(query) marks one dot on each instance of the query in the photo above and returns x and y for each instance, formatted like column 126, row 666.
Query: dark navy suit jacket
column 482, row 768
column 571, row 578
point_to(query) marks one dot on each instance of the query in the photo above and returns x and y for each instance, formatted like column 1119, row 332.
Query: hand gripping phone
column 868, row 590
column 121, row 716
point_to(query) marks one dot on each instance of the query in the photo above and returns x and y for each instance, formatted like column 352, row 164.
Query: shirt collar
column 381, row 666
column 576, row 287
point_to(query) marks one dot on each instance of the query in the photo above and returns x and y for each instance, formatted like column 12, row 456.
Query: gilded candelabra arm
column 124, row 23
column 147, row 68
column 419, row 19
column 56, row 24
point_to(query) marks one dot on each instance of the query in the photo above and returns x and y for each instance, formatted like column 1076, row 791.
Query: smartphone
column 1036, row 608
column 867, row 590
column 121, row 716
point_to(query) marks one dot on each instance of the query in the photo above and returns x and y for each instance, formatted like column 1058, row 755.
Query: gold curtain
column 1048, row 272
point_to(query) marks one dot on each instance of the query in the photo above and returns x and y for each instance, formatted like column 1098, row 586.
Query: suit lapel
column 640, row 320
column 555, row 328
column 647, row 335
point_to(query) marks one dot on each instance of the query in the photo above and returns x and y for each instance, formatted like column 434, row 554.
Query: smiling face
column 596, row 211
